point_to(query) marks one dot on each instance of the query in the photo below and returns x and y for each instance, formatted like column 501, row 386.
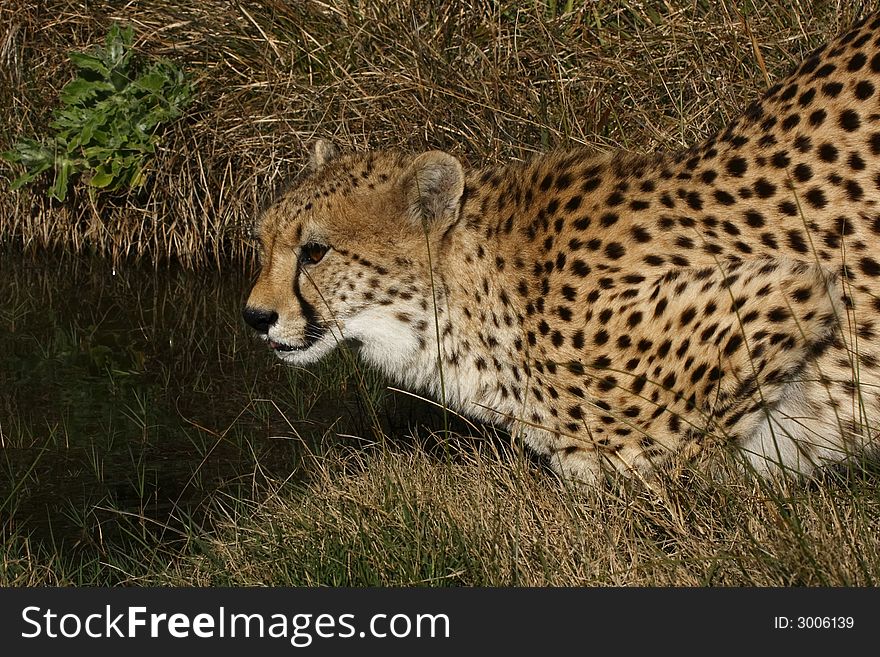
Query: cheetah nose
column 259, row 319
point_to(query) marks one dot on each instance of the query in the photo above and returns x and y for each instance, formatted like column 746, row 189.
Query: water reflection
column 141, row 391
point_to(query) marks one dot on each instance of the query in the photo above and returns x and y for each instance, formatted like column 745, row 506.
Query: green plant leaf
column 30, row 153
column 30, row 176
column 79, row 91
column 58, row 189
column 89, row 63
column 151, row 82
column 109, row 120
column 101, row 179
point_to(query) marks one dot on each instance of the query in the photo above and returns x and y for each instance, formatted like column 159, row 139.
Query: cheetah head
column 345, row 255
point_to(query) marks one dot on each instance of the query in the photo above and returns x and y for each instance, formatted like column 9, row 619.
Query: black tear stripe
column 313, row 331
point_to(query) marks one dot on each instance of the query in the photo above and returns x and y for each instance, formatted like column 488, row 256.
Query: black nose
column 259, row 319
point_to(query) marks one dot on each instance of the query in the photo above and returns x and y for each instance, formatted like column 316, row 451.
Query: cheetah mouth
column 283, row 347
column 280, row 346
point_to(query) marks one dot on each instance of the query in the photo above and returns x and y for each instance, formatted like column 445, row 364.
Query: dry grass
column 393, row 518
column 487, row 80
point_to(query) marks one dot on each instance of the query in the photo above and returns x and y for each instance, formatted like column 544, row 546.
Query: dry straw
column 486, row 80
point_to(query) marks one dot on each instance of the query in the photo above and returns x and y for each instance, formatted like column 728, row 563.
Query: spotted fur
column 615, row 310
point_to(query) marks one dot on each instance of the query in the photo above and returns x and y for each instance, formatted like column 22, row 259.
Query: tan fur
column 616, row 309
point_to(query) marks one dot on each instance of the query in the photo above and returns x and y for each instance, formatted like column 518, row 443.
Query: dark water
column 141, row 392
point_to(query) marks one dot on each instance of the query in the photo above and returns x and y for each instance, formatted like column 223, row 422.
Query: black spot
column 723, row 197
column 849, row 120
column 869, row 267
column 708, row 176
column 791, row 121
column 856, row 62
column 802, row 294
column 545, row 184
column 737, row 166
column 754, row 219
column 660, row 307
column 582, row 223
column 733, row 344
column 807, row 97
column 694, row 201
column 590, row 184
column 828, row 152
column 816, row 197
column 563, row 182
column 854, row 191
column 788, row 208
column 634, row 319
column 614, row 250
column 825, row 71
column 730, row 228
column 796, row 241
column 810, row 64
column 803, row 172
column 608, row 219
column 601, row 337
column 684, row 242
column 640, row 234
column 874, row 143
column 778, row 314
column 764, row 188
column 688, row 315
column 864, row 90
column 817, row 118
column 607, row 383
column 580, row 268
column 832, row 89
column 614, row 199
column 803, row 143
column 780, row 159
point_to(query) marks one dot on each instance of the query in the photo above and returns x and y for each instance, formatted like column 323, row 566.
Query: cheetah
column 619, row 312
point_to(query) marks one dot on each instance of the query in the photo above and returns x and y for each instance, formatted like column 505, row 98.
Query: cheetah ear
column 433, row 184
column 322, row 151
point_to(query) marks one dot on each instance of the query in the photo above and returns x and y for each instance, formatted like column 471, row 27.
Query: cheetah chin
column 619, row 312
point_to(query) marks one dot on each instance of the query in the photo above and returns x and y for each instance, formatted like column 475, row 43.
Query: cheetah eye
column 312, row 253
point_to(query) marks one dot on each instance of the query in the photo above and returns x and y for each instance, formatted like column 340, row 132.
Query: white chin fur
column 384, row 342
